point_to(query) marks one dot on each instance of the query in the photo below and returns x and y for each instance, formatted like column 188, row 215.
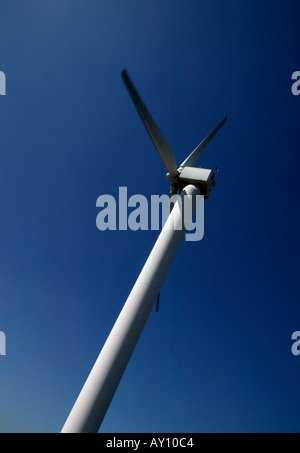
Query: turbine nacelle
column 201, row 177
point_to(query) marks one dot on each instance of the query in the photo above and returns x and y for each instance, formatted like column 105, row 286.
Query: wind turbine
column 95, row 397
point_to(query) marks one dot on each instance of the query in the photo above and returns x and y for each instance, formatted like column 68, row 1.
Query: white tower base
column 96, row 395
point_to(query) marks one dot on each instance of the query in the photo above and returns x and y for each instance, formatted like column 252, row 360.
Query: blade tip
column 124, row 75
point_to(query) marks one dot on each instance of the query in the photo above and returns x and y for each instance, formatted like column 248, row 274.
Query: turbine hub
column 173, row 179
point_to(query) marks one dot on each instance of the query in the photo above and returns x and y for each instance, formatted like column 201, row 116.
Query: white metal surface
column 195, row 174
column 95, row 397
column 202, row 177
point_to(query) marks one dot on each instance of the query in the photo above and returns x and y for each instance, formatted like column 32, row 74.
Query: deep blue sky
column 217, row 357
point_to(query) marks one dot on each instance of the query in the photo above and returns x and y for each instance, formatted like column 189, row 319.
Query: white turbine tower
column 95, row 397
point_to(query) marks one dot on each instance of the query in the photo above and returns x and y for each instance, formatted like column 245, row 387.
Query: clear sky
column 217, row 356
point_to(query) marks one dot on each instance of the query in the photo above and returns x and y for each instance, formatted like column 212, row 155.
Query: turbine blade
column 191, row 160
column 164, row 149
